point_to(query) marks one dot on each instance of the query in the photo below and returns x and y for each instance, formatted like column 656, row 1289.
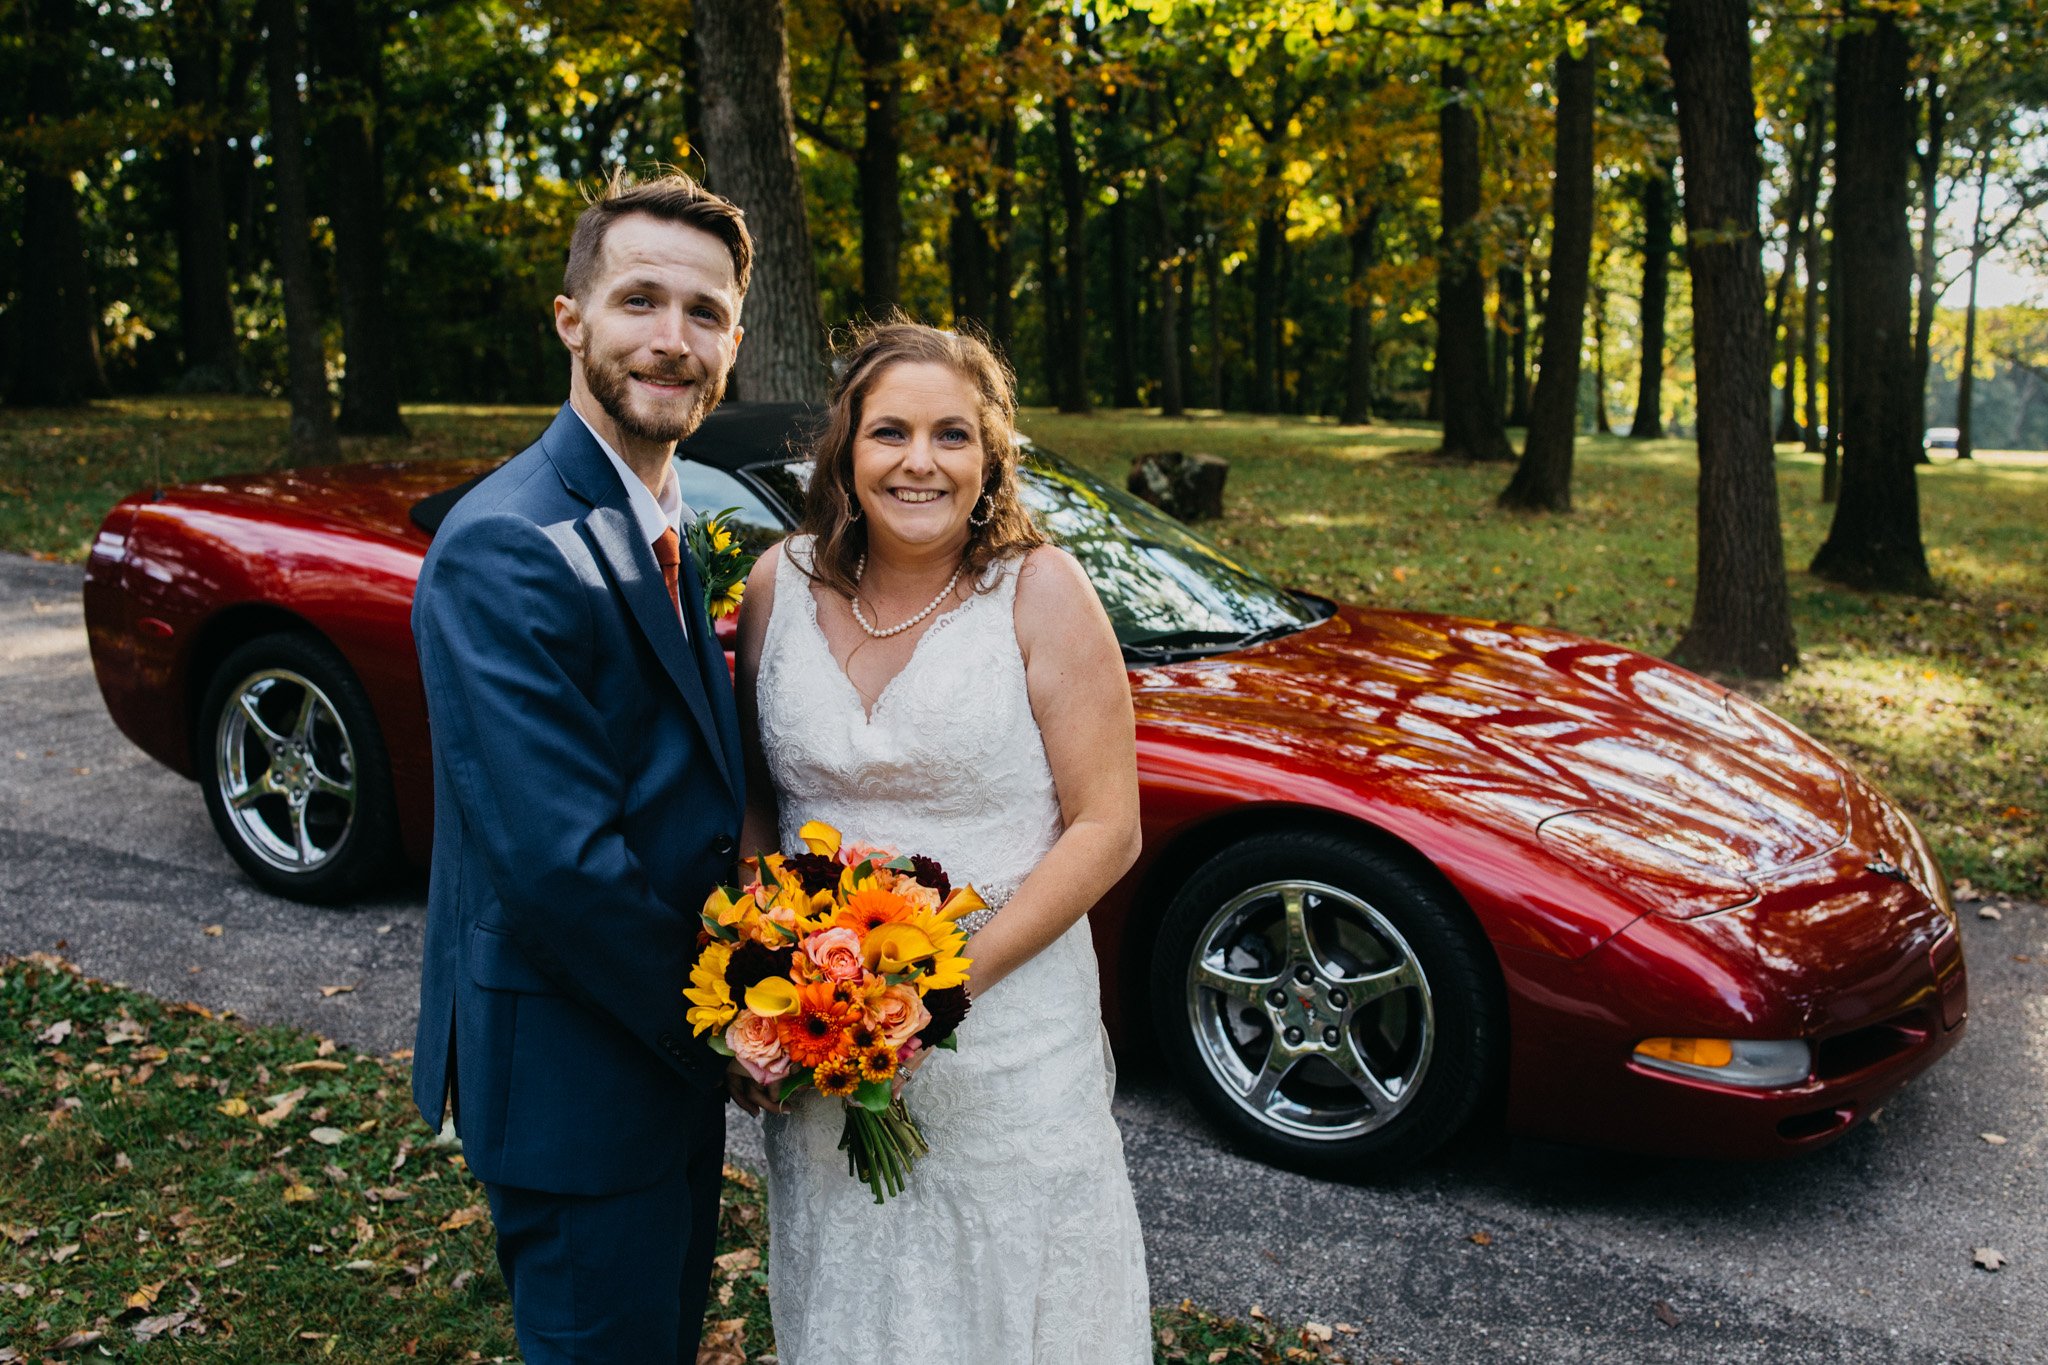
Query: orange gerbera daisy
column 871, row 905
column 815, row 1031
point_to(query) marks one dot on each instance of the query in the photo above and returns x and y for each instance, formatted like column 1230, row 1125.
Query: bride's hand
column 748, row 1093
column 904, row 1070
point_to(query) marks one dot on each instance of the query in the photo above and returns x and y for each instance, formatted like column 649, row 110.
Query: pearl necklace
column 860, row 571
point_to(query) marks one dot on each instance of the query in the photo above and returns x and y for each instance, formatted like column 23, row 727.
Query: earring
column 856, row 514
column 987, row 516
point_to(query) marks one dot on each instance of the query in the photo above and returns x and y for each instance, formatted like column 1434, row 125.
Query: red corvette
column 1396, row 865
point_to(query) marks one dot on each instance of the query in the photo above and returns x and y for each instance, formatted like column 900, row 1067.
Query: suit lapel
column 616, row 537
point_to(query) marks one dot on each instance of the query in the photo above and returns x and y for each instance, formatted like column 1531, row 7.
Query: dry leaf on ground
column 329, row 992
column 297, row 1067
column 1666, row 1314
column 1995, row 1139
column 1989, row 1258
column 737, row 1262
column 281, row 1107
column 462, row 1218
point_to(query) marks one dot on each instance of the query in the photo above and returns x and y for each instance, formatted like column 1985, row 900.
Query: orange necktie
column 668, row 553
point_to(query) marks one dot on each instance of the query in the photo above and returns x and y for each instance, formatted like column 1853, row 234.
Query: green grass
column 1943, row 702
column 189, row 1187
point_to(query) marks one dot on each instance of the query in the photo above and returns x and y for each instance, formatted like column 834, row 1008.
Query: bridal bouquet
column 832, row 969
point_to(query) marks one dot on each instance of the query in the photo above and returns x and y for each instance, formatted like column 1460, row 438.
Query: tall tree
column 59, row 364
column 346, row 39
column 1874, row 541
column 1471, row 410
column 1741, row 611
column 1804, row 188
column 1072, row 395
column 1543, row 479
column 1656, row 213
column 750, row 150
column 1359, row 343
column 206, row 316
column 878, row 29
column 312, row 420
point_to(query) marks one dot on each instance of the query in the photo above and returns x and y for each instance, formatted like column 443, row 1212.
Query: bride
column 922, row 671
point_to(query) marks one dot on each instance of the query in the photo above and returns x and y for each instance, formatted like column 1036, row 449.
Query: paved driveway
column 1859, row 1254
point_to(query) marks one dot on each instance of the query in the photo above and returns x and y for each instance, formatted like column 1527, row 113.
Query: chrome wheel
column 285, row 769
column 1310, row 1010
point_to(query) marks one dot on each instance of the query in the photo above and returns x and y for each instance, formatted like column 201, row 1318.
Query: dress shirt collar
column 653, row 514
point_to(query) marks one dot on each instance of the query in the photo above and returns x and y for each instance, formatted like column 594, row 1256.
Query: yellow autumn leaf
column 234, row 1108
column 299, row 1194
column 463, row 1217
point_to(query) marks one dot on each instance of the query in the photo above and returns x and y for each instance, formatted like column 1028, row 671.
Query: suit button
column 723, row 845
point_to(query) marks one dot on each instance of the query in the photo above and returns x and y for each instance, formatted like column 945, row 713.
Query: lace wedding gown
column 1016, row 1241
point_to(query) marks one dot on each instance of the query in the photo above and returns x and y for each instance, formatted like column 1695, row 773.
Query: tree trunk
column 1966, row 383
column 1506, row 322
column 877, row 33
column 206, row 315
column 1741, row 613
column 1543, row 480
column 749, row 134
column 1358, row 341
column 1003, row 228
column 1925, row 264
column 1599, row 316
column 1471, row 410
column 1518, row 351
column 1874, row 542
column 1656, row 207
column 967, row 256
column 1809, row 330
column 1123, row 324
column 1073, row 340
column 1802, row 183
column 312, row 421
column 1053, row 297
column 1212, row 269
column 1165, row 253
column 348, row 48
column 59, row 365
column 1266, row 245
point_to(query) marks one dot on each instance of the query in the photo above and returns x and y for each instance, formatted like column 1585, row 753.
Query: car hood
column 374, row 498
column 1517, row 720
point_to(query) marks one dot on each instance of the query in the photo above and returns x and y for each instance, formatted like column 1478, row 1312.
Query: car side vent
column 1862, row 1048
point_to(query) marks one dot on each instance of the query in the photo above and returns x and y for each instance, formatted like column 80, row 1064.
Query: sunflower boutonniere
column 722, row 562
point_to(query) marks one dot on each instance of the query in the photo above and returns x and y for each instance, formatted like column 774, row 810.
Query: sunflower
column 711, row 1005
column 877, row 1063
column 815, row 1031
column 837, row 1077
column 946, row 967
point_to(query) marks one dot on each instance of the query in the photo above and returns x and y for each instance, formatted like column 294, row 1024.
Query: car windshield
column 1169, row 592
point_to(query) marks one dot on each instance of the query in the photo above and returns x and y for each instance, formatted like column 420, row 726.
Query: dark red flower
column 752, row 963
column 948, row 1006
column 925, row 872
column 816, row 871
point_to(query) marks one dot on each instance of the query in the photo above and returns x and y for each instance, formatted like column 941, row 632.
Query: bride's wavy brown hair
column 829, row 505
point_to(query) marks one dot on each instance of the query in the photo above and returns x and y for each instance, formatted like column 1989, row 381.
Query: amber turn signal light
column 1688, row 1051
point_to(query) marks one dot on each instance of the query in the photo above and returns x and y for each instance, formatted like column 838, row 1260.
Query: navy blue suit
column 588, row 793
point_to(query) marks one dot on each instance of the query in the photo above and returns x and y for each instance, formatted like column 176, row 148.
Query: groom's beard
column 672, row 419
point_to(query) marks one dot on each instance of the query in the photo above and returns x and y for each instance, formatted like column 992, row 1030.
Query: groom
column 587, row 797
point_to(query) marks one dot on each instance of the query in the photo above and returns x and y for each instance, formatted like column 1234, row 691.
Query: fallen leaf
column 1666, row 1314
column 214, row 931
column 388, row 1194
column 281, row 1107
column 145, row 1297
column 326, row 1048
column 1481, row 1239
column 329, row 992
column 1166, row 1337
column 1219, row 1355
column 1257, row 1314
column 124, row 1031
column 122, row 1163
column 334, row 1173
column 77, row 1340
column 359, row 1266
column 461, row 1280
column 151, row 1328
column 328, row 1137
column 55, row 1033
column 1988, row 912
column 737, row 1262
column 1315, row 1332
column 298, row 1067
column 299, row 1194
column 18, row 1234
column 234, row 1108
column 1989, row 1258
column 64, row 1253
column 1963, row 891
column 462, row 1218
column 1995, row 1139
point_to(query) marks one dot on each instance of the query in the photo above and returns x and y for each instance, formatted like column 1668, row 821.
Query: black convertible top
column 732, row 437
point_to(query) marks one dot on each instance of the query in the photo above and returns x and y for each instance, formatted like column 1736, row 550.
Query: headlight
column 1755, row 1063
column 1658, row 869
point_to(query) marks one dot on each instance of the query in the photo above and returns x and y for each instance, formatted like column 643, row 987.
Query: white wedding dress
column 1016, row 1241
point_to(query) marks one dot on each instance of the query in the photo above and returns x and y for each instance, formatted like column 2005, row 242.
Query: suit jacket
column 588, row 793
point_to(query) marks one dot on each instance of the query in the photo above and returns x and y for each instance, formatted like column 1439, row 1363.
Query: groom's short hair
column 672, row 197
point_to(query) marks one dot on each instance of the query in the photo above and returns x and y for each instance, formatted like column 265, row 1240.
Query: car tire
column 1329, row 1005
column 294, row 770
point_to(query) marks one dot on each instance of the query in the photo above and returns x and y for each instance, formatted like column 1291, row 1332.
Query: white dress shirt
column 654, row 514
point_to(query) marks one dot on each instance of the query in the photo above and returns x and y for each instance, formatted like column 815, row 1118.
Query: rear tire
column 1326, row 1004
column 294, row 770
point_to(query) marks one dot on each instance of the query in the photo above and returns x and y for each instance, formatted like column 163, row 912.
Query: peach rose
column 753, row 1041
column 836, row 954
column 897, row 1014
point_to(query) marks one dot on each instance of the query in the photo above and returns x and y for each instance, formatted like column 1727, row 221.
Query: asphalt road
column 1861, row 1253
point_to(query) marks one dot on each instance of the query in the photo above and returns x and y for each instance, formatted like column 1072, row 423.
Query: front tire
column 294, row 770
column 1329, row 1006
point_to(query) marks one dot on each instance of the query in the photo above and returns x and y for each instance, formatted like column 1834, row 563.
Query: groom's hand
column 748, row 1093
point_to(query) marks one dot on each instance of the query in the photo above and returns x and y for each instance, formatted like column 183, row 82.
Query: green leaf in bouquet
column 901, row 865
column 792, row 1084
column 716, row 1042
column 872, row 1096
column 951, row 1042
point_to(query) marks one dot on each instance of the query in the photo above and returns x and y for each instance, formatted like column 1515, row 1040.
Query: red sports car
column 1396, row 865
